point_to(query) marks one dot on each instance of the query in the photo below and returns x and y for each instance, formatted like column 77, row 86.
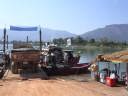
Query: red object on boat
column 110, row 82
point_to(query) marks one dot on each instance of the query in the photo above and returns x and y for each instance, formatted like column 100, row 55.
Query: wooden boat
column 66, row 70
column 65, row 67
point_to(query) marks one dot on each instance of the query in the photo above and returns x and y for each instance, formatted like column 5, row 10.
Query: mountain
column 47, row 34
column 114, row 32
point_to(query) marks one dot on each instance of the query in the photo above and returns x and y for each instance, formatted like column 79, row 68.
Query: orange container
column 110, row 82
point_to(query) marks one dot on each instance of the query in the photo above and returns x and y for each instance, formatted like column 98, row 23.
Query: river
column 86, row 54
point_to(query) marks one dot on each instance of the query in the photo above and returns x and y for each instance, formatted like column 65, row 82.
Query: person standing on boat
column 44, row 59
column 66, row 58
column 53, row 59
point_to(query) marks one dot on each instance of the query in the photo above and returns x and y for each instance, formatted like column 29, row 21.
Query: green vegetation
column 80, row 42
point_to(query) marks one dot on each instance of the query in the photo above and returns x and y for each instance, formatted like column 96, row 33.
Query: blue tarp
column 15, row 28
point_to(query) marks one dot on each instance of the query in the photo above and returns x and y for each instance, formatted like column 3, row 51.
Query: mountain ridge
column 47, row 34
column 113, row 32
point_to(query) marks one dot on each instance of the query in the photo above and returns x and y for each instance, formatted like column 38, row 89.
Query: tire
column 14, row 68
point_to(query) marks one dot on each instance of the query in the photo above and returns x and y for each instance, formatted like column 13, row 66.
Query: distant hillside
column 51, row 34
column 47, row 34
column 115, row 32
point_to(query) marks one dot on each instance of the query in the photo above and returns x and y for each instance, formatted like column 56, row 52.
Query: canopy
column 117, row 57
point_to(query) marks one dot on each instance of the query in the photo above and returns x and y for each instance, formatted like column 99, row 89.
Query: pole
column 40, row 35
column 27, row 39
column 127, row 76
column 7, row 41
column 4, row 41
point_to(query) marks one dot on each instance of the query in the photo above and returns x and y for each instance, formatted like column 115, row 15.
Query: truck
column 24, row 57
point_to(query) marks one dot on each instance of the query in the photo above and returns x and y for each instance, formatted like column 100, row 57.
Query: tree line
column 80, row 41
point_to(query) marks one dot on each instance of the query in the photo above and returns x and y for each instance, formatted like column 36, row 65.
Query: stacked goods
column 22, row 45
column 93, row 67
column 119, row 57
column 99, row 57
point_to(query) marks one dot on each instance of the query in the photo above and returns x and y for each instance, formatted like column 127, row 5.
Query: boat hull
column 66, row 70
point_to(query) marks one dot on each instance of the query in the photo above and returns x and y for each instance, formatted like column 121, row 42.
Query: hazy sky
column 76, row 16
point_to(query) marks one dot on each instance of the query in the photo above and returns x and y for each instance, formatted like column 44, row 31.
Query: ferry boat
column 57, row 61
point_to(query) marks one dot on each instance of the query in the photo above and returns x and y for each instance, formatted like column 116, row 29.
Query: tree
column 79, row 40
column 59, row 41
column 104, row 41
column 92, row 40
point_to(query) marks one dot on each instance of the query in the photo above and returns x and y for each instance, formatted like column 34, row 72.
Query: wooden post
column 40, row 35
column 27, row 39
column 7, row 41
column 4, row 41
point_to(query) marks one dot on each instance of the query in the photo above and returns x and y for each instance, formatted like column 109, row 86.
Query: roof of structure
column 120, row 57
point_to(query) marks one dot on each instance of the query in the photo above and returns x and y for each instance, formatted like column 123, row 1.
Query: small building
column 117, row 60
